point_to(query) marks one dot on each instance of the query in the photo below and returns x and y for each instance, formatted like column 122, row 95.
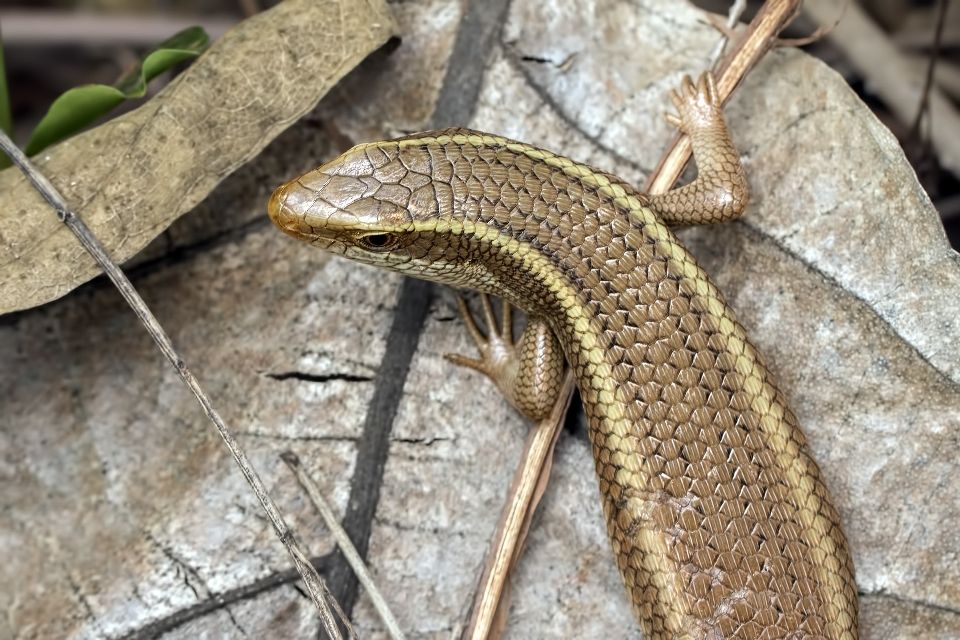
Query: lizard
column 717, row 513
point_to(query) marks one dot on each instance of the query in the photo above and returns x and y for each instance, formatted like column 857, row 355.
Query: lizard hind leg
column 528, row 373
column 720, row 191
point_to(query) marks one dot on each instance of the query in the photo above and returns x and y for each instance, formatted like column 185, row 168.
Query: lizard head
column 383, row 204
column 339, row 208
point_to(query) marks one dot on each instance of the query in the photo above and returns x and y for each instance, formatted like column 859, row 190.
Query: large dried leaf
column 133, row 176
column 122, row 515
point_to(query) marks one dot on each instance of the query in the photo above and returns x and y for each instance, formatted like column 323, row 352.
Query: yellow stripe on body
column 777, row 430
column 665, row 573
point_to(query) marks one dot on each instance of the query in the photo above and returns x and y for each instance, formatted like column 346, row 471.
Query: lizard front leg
column 528, row 373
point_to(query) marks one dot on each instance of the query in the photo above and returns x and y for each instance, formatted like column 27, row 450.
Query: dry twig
column 733, row 17
column 890, row 74
column 315, row 585
column 946, row 75
column 760, row 37
column 931, row 66
column 344, row 542
column 522, row 498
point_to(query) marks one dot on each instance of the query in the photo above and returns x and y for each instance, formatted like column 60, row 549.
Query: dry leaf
column 122, row 512
column 131, row 177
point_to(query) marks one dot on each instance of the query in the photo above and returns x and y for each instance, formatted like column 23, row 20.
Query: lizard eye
column 380, row 241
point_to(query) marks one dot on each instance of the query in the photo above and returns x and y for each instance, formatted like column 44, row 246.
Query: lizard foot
column 528, row 373
column 698, row 105
column 498, row 354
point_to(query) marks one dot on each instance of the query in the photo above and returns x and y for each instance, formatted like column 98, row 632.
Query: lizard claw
column 697, row 105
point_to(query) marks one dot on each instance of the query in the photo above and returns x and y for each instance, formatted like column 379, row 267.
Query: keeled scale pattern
column 718, row 516
column 540, row 371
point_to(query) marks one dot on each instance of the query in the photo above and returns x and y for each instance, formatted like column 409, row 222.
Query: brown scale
column 718, row 516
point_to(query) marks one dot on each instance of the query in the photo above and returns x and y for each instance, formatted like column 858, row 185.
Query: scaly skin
column 718, row 515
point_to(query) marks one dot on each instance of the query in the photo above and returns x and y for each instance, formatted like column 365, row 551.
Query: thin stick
column 315, row 585
column 733, row 17
column 344, row 542
column 928, row 82
column 536, row 453
column 760, row 37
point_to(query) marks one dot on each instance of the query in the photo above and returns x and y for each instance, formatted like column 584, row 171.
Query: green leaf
column 80, row 106
column 182, row 46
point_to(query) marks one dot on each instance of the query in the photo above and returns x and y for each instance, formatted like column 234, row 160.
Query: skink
column 718, row 515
